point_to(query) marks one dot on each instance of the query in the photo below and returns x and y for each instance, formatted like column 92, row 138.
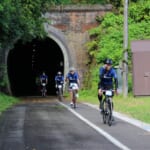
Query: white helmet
column 59, row 73
column 72, row 69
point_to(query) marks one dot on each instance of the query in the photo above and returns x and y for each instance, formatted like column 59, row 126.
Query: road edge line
column 98, row 129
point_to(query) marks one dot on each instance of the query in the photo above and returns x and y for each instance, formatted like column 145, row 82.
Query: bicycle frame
column 74, row 92
column 43, row 89
column 60, row 92
column 108, row 107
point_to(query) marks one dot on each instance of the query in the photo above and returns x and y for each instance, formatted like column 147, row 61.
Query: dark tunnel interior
column 27, row 61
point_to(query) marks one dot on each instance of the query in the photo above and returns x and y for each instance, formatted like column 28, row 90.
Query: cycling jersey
column 72, row 77
column 106, row 78
column 43, row 78
column 59, row 79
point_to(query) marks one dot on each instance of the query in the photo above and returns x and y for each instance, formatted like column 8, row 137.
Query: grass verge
column 7, row 101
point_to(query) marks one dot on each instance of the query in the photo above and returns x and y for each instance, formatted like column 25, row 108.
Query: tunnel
column 27, row 61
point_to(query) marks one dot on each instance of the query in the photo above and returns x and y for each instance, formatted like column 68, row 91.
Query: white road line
column 99, row 130
column 132, row 121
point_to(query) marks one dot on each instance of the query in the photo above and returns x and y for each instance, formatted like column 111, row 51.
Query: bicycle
column 74, row 88
column 43, row 90
column 60, row 92
column 108, row 107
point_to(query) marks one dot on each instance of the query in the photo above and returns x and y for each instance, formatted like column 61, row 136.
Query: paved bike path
column 134, row 137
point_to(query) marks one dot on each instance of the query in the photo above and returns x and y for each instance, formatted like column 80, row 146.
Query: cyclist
column 59, row 80
column 108, row 80
column 43, row 79
column 72, row 77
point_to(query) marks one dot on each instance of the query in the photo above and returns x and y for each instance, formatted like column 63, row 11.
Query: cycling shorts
column 73, row 86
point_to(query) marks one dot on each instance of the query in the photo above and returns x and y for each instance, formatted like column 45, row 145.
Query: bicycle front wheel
column 105, row 112
column 110, row 112
column 60, row 96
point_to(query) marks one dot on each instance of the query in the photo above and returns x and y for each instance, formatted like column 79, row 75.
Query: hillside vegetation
column 107, row 39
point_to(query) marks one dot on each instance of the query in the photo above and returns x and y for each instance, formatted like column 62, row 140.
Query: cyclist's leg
column 71, row 96
column 100, row 97
column 62, row 89
column 45, row 90
column 77, row 94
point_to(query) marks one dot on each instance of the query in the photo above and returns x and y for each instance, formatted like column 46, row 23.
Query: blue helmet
column 108, row 61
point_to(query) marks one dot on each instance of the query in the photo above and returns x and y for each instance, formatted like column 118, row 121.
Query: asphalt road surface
column 47, row 124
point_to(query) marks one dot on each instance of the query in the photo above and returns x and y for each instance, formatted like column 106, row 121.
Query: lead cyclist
column 108, row 80
column 73, row 79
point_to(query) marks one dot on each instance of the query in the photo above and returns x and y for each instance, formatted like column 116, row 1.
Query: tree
column 21, row 19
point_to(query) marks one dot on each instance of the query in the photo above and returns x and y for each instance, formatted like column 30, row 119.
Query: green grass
column 7, row 101
column 135, row 107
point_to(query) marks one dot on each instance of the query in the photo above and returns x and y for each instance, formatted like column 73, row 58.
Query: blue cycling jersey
column 72, row 77
column 59, row 79
column 43, row 78
column 107, row 76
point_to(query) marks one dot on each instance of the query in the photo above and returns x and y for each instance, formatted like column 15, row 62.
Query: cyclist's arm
column 62, row 80
column 78, row 82
column 46, row 80
column 66, row 79
column 101, row 73
column 77, row 79
column 115, row 81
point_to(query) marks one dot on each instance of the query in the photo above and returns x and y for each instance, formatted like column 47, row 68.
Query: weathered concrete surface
column 46, row 125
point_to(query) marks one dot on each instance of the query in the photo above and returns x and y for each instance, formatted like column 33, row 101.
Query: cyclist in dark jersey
column 59, row 80
column 108, row 80
column 73, row 79
column 43, row 79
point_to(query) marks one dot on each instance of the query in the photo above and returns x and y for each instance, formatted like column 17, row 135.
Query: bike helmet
column 108, row 61
column 72, row 69
column 59, row 73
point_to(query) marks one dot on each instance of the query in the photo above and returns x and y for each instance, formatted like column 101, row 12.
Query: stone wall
column 74, row 22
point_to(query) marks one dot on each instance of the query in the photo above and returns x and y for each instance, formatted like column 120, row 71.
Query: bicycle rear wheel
column 43, row 91
column 60, row 96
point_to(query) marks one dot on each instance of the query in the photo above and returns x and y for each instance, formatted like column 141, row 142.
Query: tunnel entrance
column 27, row 61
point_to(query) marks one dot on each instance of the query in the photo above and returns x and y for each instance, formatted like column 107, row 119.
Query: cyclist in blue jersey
column 43, row 79
column 59, row 80
column 73, row 79
column 108, row 80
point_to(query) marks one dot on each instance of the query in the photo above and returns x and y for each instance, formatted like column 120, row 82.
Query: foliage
column 107, row 38
column 64, row 2
column 3, row 78
column 92, row 83
column 21, row 20
column 140, row 12
column 7, row 101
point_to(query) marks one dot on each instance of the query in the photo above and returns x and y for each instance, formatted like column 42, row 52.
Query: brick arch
column 59, row 38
